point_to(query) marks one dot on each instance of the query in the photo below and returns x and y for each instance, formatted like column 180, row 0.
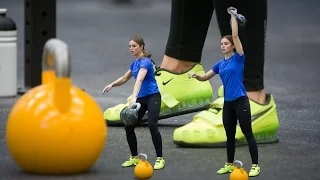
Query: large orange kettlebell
column 143, row 169
column 56, row 128
column 239, row 173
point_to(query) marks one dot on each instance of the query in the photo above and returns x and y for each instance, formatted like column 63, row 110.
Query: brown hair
column 139, row 40
column 229, row 37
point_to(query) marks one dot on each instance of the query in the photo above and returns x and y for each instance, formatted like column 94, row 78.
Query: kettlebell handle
column 137, row 106
column 143, row 155
column 56, row 58
column 239, row 17
column 239, row 162
column 231, row 11
column 57, row 51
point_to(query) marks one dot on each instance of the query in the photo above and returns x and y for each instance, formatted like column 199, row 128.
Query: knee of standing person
column 152, row 125
column 129, row 128
column 247, row 131
column 231, row 136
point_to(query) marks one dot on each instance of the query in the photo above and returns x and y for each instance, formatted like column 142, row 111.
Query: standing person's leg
column 132, row 139
column 263, row 108
column 154, row 104
column 230, row 124
column 242, row 108
column 189, row 25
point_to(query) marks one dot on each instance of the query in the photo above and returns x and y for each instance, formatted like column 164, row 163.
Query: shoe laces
column 226, row 166
column 133, row 158
column 156, row 68
column 254, row 167
column 156, row 73
column 158, row 160
column 214, row 108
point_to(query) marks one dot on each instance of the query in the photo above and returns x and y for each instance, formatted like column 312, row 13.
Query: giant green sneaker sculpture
column 206, row 129
column 180, row 95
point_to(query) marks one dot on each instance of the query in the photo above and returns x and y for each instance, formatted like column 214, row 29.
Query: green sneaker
column 159, row 164
column 207, row 130
column 228, row 168
column 131, row 162
column 180, row 95
column 254, row 171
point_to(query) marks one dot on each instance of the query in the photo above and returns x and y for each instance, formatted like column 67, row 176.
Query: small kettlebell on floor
column 239, row 173
column 143, row 169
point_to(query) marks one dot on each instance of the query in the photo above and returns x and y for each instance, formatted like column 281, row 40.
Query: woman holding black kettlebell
column 147, row 94
column 236, row 103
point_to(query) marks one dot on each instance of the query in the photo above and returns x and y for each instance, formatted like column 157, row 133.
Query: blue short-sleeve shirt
column 231, row 74
column 149, row 84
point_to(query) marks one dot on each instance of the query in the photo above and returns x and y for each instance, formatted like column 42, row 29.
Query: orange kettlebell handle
column 56, row 69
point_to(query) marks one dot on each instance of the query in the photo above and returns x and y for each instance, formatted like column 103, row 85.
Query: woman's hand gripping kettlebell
column 230, row 9
column 132, row 102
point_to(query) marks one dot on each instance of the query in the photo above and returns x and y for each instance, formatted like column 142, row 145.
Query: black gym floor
column 98, row 32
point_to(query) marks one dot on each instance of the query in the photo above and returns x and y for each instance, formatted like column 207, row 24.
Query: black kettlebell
column 242, row 21
column 129, row 116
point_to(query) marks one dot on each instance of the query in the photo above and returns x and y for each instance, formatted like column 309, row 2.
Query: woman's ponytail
column 146, row 54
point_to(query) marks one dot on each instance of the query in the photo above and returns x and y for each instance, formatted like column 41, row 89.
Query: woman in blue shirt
column 236, row 103
column 145, row 92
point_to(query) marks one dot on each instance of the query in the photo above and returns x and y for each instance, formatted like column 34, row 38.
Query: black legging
column 152, row 104
column 189, row 25
column 233, row 110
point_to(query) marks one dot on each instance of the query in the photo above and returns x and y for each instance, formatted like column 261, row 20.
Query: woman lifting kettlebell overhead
column 145, row 92
column 236, row 103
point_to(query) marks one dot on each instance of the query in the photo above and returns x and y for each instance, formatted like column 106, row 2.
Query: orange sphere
column 56, row 129
column 239, row 173
column 143, row 169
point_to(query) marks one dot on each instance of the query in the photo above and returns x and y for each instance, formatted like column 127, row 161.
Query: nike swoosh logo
column 164, row 83
column 256, row 116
